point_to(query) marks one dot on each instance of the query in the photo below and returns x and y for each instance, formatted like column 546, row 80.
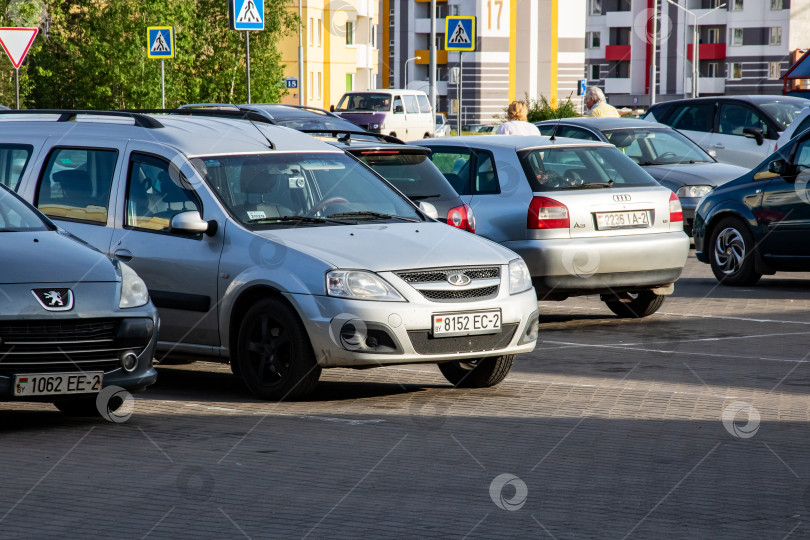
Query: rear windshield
column 589, row 167
column 413, row 174
column 326, row 123
column 364, row 102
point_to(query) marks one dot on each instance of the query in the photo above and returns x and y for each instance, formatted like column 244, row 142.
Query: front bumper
column 601, row 265
column 402, row 330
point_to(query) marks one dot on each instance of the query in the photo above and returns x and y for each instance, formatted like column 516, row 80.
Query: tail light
column 545, row 213
column 462, row 217
column 675, row 210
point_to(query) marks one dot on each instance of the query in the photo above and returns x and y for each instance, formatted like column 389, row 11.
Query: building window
column 712, row 69
column 319, row 32
column 776, row 5
column 737, row 5
column 454, row 11
column 736, row 36
column 774, row 70
column 439, row 42
column 349, row 33
column 349, row 82
column 318, row 88
column 775, row 35
column 595, row 72
column 373, row 36
column 592, row 40
column 311, row 89
column 311, row 30
column 596, row 7
column 713, row 35
column 735, row 71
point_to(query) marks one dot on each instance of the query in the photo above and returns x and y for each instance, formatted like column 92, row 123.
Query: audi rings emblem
column 458, row 279
column 621, row 198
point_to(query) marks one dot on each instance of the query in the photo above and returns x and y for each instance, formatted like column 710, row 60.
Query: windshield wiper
column 306, row 219
column 370, row 215
column 420, row 197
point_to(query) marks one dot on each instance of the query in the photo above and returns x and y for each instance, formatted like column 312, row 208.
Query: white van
column 401, row 113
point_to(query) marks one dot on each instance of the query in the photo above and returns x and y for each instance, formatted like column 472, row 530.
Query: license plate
column 49, row 384
column 623, row 220
column 467, row 323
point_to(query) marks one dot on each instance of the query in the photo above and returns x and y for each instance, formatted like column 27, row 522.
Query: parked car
column 585, row 218
column 300, row 117
column 742, row 130
column 480, row 128
column 669, row 157
column 759, row 223
column 397, row 112
column 72, row 321
column 799, row 124
column 442, row 127
column 268, row 248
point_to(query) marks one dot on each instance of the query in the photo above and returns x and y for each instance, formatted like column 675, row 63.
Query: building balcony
column 424, row 57
column 619, row 19
column 708, row 85
column 708, row 51
column 617, row 53
column 365, row 8
column 365, row 56
column 617, row 86
column 422, row 26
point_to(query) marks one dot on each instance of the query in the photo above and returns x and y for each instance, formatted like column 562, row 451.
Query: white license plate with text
column 623, row 220
column 48, row 384
column 467, row 323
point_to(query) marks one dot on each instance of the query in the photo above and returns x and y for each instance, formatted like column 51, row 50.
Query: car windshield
column 292, row 189
column 16, row 216
column 413, row 174
column 364, row 102
column 582, row 167
column 784, row 112
column 656, row 146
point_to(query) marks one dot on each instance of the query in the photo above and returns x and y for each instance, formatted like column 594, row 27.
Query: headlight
column 520, row 279
column 693, row 192
column 376, row 126
column 133, row 289
column 360, row 285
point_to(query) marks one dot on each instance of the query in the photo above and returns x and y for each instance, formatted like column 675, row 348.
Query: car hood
column 392, row 246
column 50, row 257
column 690, row 174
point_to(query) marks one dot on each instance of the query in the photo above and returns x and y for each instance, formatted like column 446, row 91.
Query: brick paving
column 611, row 428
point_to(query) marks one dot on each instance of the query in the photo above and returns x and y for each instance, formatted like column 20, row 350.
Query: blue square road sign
column 160, row 41
column 246, row 14
column 459, row 33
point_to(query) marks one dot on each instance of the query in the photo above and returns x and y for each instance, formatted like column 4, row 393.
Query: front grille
column 424, row 343
column 59, row 345
column 461, row 294
column 432, row 276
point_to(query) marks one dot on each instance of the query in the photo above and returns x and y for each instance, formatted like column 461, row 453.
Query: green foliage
column 93, row 55
column 540, row 109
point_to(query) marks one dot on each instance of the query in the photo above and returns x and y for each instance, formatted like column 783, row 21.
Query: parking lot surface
column 690, row 423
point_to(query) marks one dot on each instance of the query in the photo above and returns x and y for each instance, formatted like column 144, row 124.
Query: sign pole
column 17, row 84
column 460, row 78
column 247, row 56
column 162, row 85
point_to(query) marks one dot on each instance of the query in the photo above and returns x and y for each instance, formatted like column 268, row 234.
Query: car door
column 180, row 270
column 784, row 210
column 695, row 119
column 730, row 142
column 414, row 127
column 399, row 120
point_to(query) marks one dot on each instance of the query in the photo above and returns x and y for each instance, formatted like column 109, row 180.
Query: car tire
column 274, row 354
column 634, row 305
column 731, row 253
column 477, row 372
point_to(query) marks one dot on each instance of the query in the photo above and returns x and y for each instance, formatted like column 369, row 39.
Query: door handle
column 124, row 255
column 718, row 146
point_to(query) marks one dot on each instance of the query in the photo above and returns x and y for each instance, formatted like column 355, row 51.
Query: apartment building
column 340, row 50
column 744, row 46
column 533, row 47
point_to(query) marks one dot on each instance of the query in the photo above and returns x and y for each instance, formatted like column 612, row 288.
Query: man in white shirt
column 517, row 124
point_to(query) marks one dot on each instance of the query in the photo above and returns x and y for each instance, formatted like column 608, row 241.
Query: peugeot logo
column 54, row 299
column 621, row 198
column 458, row 279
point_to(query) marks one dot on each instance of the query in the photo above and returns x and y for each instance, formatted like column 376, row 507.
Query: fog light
column 532, row 329
column 129, row 361
column 352, row 335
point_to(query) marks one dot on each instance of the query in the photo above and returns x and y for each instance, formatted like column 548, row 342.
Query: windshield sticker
column 256, row 214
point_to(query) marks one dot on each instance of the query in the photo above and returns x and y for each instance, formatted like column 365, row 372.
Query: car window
column 486, row 178
column 411, row 105
column 365, row 102
column 547, row 129
column 13, row 160
column 16, row 216
column 156, row 192
column 424, row 104
column 735, row 117
column 802, row 126
column 413, row 174
column 801, row 159
column 454, row 163
column 551, row 169
column 76, row 184
column 783, row 112
column 576, row 133
column 398, row 103
column 693, row 117
column 656, row 146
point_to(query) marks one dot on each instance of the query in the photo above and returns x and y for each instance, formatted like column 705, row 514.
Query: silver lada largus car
column 271, row 250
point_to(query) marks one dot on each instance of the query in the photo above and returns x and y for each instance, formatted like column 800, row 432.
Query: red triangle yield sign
column 16, row 42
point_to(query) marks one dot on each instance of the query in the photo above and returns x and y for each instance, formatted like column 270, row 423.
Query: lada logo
column 458, row 279
column 621, row 198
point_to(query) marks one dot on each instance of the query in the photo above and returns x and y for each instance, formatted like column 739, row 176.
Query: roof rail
column 66, row 115
column 349, row 132
column 216, row 113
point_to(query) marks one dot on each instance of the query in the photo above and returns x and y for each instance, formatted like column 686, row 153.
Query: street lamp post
column 406, row 69
column 695, row 45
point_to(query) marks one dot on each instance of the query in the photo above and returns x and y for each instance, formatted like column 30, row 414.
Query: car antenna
column 249, row 119
column 559, row 119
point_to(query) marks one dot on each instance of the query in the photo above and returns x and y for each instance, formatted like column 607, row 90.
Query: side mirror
column 331, row 108
column 399, row 109
column 754, row 133
column 191, row 223
column 429, row 210
column 778, row 167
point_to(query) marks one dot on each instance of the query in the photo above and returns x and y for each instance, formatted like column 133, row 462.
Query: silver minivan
column 266, row 248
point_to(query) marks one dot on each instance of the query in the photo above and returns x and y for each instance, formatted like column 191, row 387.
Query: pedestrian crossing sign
column 246, row 14
column 160, row 41
column 459, row 33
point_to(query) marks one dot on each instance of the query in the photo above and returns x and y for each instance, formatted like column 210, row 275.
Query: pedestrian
column 596, row 106
column 517, row 124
